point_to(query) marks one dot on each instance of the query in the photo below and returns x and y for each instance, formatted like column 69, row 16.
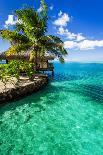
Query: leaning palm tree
column 29, row 34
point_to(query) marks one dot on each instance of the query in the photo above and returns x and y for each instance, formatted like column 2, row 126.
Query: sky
column 79, row 23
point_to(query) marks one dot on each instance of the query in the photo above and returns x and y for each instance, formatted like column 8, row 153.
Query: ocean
column 65, row 118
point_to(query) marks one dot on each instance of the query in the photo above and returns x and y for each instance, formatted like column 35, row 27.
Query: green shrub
column 14, row 69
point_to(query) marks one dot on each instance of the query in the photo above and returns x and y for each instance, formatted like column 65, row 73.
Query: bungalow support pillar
column 52, row 72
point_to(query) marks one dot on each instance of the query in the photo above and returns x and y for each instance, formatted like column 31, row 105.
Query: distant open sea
column 65, row 118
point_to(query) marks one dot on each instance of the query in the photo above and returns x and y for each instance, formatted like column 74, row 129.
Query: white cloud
column 62, row 20
column 60, row 13
column 83, row 45
column 69, row 35
column 61, row 23
column 39, row 10
column 10, row 21
column 74, row 40
column 80, row 37
column 51, row 7
column 70, row 44
column 90, row 44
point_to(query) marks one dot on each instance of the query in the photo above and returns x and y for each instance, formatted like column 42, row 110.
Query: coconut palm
column 29, row 34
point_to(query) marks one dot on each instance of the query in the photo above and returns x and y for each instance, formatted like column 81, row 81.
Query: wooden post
column 6, row 61
column 52, row 72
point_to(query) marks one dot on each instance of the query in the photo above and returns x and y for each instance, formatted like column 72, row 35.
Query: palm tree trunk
column 35, row 58
column 36, row 65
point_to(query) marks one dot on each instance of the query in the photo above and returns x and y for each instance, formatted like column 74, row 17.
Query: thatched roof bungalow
column 43, row 62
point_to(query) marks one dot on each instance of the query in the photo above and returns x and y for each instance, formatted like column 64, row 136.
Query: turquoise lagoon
column 65, row 118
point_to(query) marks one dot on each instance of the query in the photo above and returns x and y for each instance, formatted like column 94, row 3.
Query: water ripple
column 66, row 118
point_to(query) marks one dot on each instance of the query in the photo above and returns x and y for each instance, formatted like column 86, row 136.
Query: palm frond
column 30, row 22
column 30, row 34
column 13, row 36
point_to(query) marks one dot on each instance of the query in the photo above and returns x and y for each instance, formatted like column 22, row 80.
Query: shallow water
column 65, row 118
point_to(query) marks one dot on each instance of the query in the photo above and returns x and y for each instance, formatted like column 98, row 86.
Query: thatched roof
column 24, row 57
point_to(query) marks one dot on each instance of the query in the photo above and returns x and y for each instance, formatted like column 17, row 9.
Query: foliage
column 29, row 34
column 14, row 69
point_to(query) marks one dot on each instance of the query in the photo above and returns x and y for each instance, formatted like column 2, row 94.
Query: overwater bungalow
column 43, row 62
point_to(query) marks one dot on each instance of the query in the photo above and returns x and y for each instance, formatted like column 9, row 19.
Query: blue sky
column 78, row 22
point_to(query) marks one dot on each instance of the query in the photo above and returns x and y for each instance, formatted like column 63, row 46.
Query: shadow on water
column 92, row 91
column 65, row 77
column 35, row 100
column 38, row 96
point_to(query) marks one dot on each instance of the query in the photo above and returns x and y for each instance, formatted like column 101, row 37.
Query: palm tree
column 29, row 34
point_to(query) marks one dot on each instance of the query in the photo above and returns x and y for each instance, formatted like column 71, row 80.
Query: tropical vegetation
column 29, row 35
